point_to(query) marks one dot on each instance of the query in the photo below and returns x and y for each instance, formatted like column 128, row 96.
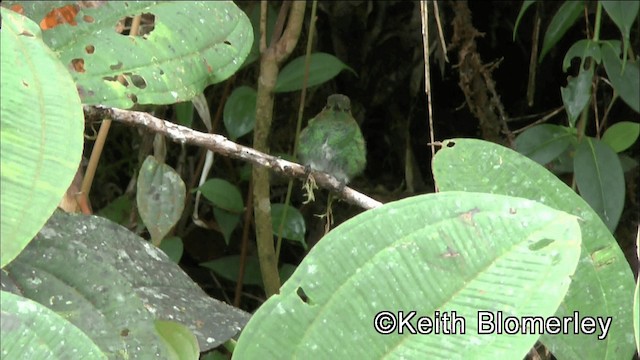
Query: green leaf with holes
column 603, row 283
column 438, row 252
column 182, row 47
column 41, row 133
column 577, row 94
column 160, row 197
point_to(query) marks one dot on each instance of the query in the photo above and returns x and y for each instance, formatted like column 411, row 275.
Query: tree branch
column 223, row 146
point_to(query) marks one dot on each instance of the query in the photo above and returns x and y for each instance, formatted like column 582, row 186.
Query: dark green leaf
column 600, row 179
column 119, row 210
column 173, row 247
column 184, row 113
column 543, row 143
column 223, row 194
column 228, row 268
column 160, row 197
column 293, row 227
column 112, row 285
column 240, row 112
column 566, row 16
column 525, row 5
column 627, row 83
column 620, row 136
column 577, row 94
column 227, row 221
column 322, row 67
column 623, row 14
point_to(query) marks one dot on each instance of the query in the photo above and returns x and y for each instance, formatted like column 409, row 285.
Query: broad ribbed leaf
column 41, row 125
column 443, row 252
column 603, row 283
column 113, row 285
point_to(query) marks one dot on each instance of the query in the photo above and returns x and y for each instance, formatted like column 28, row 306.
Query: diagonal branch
column 223, row 146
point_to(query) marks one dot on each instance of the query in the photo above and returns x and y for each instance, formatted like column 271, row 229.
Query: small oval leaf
column 620, row 136
column 293, row 227
column 160, row 197
column 180, row 342
column 239, row 114
column 223, row 194
column 322, row 67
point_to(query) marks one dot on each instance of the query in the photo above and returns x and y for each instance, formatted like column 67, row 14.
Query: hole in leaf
column 540, row 244
column 227, row 42
column 450, row 144
column 133, row 98
column 301, row 294
column 90, row 49
column 88, row 19
column 124, row 332
column 147, row 24
column 78, row 65
column 138, row 81
column 117, row 66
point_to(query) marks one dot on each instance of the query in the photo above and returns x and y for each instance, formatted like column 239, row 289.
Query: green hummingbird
column 332, row 142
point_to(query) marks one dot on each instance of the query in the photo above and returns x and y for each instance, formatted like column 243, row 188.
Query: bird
column 332, row 141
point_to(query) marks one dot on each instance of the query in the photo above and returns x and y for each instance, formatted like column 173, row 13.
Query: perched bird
column 332, row 142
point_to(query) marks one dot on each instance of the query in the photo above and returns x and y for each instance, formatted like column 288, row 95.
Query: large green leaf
column 603, row 283
column 600, row 179
column 160, row 197
column 191, row 44
column 31, row 331
column 444, row 252
column 113, row 285
column 41, row 125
